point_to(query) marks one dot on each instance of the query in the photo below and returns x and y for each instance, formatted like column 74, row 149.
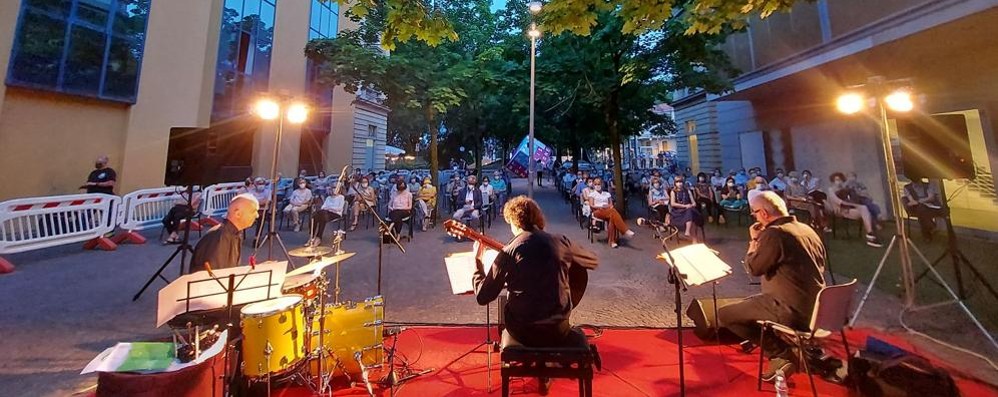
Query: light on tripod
column 267, row 109
column 297, row 113
column 899, row 101
column 850, row 103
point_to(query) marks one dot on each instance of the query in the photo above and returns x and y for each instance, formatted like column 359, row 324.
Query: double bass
column 578, row 276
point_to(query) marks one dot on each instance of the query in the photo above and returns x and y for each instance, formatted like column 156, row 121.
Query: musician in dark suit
column 534, row 268
column 221, row 247
column 790, row 259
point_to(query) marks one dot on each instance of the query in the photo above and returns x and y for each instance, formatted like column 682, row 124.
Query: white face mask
column 260, row 187
column 302, row 185
column 731, row 184
column 364, row 184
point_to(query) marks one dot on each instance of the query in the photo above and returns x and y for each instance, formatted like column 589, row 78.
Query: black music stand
column 182, row 249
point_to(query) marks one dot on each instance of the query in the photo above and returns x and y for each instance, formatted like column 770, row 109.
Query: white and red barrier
column 146, row 208
column 215, row 201
column 41, row 222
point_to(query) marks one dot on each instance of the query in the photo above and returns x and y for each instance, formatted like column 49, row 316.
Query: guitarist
column 534, row 267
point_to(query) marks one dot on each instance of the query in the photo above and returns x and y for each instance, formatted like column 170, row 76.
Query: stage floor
column 636, row 362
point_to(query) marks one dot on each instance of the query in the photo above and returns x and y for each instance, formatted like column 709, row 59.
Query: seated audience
column 499, row 187
column 779, row 183
column 399, row 207
column 331, row 210
column 300, row 201
column 366, row 194
column 732, row 198
column 921, row 199
column 798, row 199
column 838, row 204
column 658, row 200
column 717, row 180
column 180, row 212
column 703, row 193
column 861, row 195
column 471, row 200
column 427, row 200
column 683, row 209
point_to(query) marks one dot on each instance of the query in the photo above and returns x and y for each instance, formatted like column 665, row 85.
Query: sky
column 498, row 5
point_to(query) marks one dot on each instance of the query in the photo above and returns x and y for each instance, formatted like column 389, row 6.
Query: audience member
column 365, row 194
column 427, row 200
column 798, row 199
column 102, row 178
column 399, row 207
column 861, row 195
column 732, row 198
column 778, row 183
column 499, row 187
column 658, row 200
column 602, row 208
column 922, row 200
column 299, row 201
column 331, row 210
column 471, row 199
column 838, row 204
column 717, row 180
column 488, row 193
column 683, row 208
column 703, row 193
column 181, row 211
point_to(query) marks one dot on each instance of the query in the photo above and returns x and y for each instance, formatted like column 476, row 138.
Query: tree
column 418, row 19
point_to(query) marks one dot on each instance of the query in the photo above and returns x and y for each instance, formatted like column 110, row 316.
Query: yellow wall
column 48, row 142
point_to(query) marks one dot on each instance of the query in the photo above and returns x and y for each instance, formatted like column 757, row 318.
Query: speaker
column 701, row 311
column 203, row 156
column 935, row 147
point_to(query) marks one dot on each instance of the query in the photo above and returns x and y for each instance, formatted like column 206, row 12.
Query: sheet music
column 698, row 263
column 172, row 298
column 461, row 269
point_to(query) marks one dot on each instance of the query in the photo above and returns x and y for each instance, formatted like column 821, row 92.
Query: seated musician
column 222, row 245
column 790, row 259
column 534, row 268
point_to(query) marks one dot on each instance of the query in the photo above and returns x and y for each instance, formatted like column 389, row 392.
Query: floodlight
column 297, row 113
column 267, row 109
column 850, row 103
column 899, row 101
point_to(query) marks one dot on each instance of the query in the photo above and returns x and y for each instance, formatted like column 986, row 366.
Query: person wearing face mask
column 758, row 183
column 499, row 187
column 584, row 190
column 488, row 193
column 368, row 195
column 262, row 194
column 102, row 179
column 798, row 199
column 790, row 258
column 400, row 207
column 471, row 200
column 683, row 209
column 839, row 203
column 602, row 207
column 703, row 193
column 658, row 200
column 778, row 184
column 717, row 180
column 732, row 198
column 300, row 201
column 741, row 178
column 331, row 210
column 427, row 200
column 453, row 188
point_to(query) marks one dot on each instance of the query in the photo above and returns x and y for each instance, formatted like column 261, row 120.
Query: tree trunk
column 434, row 131
column 611, row 112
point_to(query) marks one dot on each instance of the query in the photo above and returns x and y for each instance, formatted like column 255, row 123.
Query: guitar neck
column 486, row 241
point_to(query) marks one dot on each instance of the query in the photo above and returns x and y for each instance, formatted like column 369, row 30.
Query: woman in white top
column 584, row 197
column 331, row 210
column 400, row 206
column 300, row 200
column 602, row 207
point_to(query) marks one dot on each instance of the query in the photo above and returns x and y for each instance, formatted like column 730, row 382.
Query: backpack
column 905, row 375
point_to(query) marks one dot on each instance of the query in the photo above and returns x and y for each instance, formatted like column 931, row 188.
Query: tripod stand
column 956, row 255
column 272, row 234
column 183, row 249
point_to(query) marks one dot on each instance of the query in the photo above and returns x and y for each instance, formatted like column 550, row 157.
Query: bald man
column 102, row 178
column 222, row 245
column 790, row 259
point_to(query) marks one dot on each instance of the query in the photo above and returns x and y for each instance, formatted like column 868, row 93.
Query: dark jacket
column 476, row 194
column 790, row 258
column 221, row 247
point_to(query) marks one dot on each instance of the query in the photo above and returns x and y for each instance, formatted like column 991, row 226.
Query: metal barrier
column 41, row 222
column 146, row 208
column 215, row 200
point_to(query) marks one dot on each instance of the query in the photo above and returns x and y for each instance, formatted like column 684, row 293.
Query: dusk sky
column 498, row 4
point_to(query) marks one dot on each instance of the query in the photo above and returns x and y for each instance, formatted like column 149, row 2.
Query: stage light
column 267, row 109
column 534, row 32
column 899, row 101
column 850, row 103
column 297, row 113
column 535, row 7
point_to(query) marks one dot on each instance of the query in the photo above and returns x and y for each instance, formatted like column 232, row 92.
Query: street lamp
column 534, row 33
column 268, row 109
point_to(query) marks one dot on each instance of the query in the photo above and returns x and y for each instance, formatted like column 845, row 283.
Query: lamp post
column 534, row 33
column 295, row 112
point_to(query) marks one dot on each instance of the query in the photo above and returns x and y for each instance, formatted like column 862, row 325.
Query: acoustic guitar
column 578, row 278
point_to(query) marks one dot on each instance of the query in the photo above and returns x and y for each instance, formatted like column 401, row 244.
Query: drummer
column 222, row 245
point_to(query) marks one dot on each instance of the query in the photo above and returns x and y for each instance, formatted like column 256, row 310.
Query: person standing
column 790, row 259
column 102, row 179
column 221, row 247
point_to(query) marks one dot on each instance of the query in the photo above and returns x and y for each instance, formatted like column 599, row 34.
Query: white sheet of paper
column 171, row 297
column 112, row 358
column 461, row 269
column 699, row 263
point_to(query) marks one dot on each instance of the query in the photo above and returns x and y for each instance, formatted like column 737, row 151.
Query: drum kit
column 302, row 338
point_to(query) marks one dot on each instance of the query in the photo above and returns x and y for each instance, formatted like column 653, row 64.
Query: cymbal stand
column 338, row 237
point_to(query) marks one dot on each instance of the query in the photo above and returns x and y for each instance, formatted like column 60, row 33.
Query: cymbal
column 321, row 264
column 310, row 251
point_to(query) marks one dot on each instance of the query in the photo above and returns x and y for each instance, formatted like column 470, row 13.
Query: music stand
column 183, row 248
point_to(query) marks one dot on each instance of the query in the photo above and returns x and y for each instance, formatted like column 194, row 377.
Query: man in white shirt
column 471, row 196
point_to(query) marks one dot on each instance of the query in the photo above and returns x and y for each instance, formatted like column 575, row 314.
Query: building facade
column 85, row 78
column 782, row 114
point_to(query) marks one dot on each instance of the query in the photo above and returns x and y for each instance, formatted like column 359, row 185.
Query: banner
column 519, row 163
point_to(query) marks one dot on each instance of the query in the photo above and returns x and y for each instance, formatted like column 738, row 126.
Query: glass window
column 245, row 44
column 84, row 47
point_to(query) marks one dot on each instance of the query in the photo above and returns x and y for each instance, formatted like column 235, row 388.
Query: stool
column 574, row 361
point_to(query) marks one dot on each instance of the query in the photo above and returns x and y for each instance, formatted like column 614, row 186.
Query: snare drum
column 351, row 329
column 273, row 336
column 307, row 285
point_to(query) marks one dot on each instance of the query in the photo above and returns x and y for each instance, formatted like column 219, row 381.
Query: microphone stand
column 677, row 279
column 382, row 230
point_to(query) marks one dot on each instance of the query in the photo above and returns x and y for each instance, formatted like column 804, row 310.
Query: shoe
column 297, row 227
column 544, row 385
column 721, row 220
column 873, row 241
column 828, row 229
column 777, row 364
column 353, row 227
column 629, row 234
column 614, row 245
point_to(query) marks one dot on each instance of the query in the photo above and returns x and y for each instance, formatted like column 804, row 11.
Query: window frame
column 70, row 21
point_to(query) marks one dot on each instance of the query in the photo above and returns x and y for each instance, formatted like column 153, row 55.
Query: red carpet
column 639, row 362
